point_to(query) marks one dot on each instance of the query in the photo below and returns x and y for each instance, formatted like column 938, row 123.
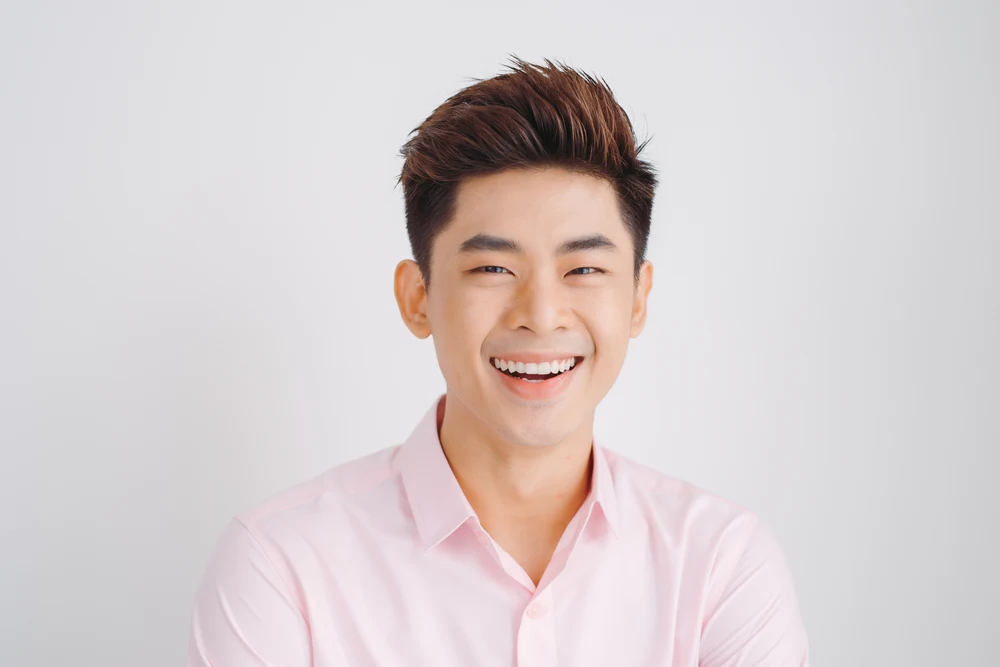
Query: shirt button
column 482, row 538
column 535, row 611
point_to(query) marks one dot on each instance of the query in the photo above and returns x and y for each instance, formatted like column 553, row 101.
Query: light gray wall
column 199, row 228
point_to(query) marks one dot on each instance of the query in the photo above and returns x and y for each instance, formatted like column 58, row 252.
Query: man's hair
column 531, row 117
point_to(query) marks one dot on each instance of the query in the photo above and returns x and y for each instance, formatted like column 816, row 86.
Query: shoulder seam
column 288, row 589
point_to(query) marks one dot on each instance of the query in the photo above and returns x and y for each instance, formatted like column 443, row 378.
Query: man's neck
column 516, row 488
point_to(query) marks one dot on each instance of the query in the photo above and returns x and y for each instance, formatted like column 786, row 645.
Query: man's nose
column 540, row 305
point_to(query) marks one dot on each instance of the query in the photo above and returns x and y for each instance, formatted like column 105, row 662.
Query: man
column 500, row 533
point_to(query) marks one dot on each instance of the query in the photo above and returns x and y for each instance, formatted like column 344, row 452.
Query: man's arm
column 244, row 613
column 756, row 620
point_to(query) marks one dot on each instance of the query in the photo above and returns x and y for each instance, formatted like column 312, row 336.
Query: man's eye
column 586, row 270
column 491, row 269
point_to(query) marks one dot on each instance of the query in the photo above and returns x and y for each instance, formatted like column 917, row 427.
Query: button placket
column 536, row 646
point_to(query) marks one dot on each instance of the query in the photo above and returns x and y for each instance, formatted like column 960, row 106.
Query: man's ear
column 641, row 298
column 411, row 297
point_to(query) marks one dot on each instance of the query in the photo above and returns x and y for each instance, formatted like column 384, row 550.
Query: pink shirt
column 382, row 561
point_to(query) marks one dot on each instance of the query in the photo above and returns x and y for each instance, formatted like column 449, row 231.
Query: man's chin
column 536, row 427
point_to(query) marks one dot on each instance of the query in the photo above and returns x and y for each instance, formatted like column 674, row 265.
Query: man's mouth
column 536, row 372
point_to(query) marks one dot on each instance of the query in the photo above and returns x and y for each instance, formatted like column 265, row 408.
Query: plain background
column 200, row 223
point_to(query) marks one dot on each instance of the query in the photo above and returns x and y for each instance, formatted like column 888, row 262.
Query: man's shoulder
column 324, row 494
column 678, row 506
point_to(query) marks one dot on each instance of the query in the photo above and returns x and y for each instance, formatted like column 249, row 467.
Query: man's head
column 528, row 211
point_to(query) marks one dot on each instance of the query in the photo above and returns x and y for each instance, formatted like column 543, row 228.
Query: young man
column 500, row 533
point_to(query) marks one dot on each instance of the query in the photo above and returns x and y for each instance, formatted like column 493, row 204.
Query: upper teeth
column 544, row 368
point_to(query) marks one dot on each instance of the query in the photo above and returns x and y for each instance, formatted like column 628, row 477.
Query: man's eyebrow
column 487, row 243
column 595, row 242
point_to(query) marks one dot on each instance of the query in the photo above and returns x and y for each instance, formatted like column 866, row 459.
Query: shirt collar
column 439, row 505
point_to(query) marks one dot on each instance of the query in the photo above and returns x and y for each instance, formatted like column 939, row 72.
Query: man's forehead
column 551, row 211
column 532, row 192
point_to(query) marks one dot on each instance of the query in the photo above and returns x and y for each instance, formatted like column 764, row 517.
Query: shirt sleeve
column 756, row 621
column 244, row 614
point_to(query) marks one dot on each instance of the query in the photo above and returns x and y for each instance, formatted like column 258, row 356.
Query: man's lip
column 531, row 358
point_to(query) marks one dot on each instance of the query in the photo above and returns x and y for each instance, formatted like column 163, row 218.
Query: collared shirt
column 382, row 562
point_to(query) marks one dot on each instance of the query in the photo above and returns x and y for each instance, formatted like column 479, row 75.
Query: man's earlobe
column 411, row 297
column 641, row 298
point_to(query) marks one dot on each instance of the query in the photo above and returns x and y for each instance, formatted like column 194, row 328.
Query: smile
column 535, row 372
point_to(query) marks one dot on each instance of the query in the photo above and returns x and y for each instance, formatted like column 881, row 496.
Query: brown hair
column 534, row 116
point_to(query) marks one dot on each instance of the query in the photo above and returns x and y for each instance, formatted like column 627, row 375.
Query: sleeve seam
column 288, row 589
column 727, row 578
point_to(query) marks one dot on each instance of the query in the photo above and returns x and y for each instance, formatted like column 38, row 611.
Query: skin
column 525, row 463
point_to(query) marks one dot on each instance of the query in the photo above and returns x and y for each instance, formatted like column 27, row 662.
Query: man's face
column 536, row 269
